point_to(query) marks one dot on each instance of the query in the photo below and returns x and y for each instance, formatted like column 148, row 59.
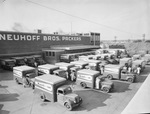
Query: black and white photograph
column 74, row 56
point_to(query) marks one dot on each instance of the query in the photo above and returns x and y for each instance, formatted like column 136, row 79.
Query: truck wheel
column 68, row 106
column 17, row 81
column 130, row 80
column 106, row 89
column 43, row 98
column 83, row 85
column 33, row 86
column 109, row 76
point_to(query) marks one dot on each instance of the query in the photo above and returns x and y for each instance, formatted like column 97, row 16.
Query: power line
column 116, row 29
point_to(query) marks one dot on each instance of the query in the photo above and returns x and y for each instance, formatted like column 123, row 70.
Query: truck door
column 60, row 96
column 123, row 75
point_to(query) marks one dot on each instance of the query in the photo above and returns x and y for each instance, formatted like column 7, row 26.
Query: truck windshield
column 67, row 90
column 10, row 63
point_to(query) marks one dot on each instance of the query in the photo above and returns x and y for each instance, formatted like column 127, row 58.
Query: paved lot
column 14, row 99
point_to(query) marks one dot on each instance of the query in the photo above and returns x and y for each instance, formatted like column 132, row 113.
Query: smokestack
column 39, row 31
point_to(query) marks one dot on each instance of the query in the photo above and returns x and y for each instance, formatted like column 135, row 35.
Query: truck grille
column 77, row 99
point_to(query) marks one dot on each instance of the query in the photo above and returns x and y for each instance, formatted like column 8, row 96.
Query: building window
column 50, row 54
column 53, row 53
column 46, row 53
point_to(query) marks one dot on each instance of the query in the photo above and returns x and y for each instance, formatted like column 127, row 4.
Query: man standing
column 97, row 82
column 138, row 70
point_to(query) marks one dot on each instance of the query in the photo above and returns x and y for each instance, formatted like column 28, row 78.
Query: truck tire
column 43, row 98
column 105, row 89
column 17, row 81
column 130, row 80
column 33, row 86
column 68, row 106
column 109, row 76
column 83, row 85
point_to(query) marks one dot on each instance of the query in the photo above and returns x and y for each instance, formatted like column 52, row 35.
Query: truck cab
column 54, row 89
column 39, row 60
column 19, row 61
column 7, row 64
column 88, row 78
column 117, row 72
column 61, row 73
column 24, row 72
column 66, row 97
column 29, row 60
column 66, row 67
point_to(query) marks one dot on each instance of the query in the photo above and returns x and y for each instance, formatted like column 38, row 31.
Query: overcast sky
column 125, row 19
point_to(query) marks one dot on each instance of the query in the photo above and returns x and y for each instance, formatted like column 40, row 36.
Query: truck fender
column 68, row 101
column 105, row 88
column 127, row 78
column 68, row 105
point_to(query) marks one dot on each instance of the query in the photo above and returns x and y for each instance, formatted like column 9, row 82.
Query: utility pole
column 71, row 28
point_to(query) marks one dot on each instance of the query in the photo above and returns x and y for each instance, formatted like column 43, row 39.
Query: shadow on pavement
column 3, row 86
column 91, row 99
column 6, row 75
column 8, row 97
column 120, row 86
column 3, row 111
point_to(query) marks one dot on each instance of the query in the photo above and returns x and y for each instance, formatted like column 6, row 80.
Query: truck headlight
column 75, row 101
column 80, row 99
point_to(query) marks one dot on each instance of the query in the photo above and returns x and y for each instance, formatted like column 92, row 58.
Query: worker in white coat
column 138, row 70
column 97, row 82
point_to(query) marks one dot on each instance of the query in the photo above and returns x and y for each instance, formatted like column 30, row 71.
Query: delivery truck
column 92, row 79
column 39, row 60
column 54, row 89
column 24, row 75
column 7, row 64
column 118, row 72
column 19, row 61
column 52, row 69
column 29, row 60
column 139, row 63
column 126, row 62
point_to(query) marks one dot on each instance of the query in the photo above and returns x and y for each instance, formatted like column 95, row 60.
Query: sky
column 120, row 19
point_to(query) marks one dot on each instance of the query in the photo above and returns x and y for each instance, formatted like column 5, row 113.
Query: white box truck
column 54, row 89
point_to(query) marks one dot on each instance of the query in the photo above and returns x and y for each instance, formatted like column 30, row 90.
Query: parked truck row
column 33, row 61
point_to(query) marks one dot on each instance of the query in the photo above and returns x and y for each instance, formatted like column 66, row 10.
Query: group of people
column 129, row 69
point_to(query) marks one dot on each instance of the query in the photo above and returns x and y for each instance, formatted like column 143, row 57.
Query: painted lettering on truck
column 17, row 73
column 44, row 87
column 85, row 78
